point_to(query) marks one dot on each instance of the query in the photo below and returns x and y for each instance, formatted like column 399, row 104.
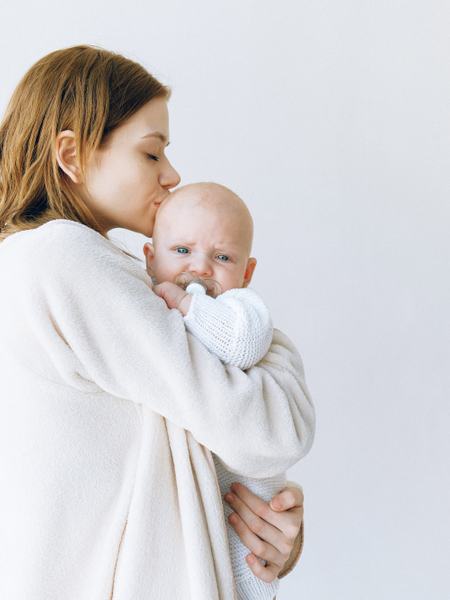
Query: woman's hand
column 267, row 529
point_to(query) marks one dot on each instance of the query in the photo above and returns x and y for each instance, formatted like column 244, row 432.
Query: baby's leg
column 249, row 586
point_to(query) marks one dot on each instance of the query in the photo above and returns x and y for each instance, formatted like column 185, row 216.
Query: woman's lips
column 166, row 195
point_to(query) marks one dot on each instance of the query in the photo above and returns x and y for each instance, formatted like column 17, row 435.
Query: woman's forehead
column 151, row 121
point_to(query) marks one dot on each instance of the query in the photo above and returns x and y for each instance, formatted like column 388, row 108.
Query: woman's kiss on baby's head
column 206, row 230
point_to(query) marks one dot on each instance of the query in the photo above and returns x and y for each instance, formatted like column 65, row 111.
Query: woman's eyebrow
column 159, row 135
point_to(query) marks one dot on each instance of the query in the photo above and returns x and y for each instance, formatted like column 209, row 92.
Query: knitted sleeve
column 236, row 325
column 98, row 325
column 248, row 585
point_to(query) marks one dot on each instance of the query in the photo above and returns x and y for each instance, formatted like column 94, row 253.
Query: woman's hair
column 86, row 89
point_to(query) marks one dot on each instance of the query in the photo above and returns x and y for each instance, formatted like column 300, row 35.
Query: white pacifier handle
column 196, row 288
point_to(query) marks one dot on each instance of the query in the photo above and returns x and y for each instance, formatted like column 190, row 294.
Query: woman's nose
column 169, row 177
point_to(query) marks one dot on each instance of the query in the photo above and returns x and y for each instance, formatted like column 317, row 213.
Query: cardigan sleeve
column 236, row 326
column 295, row 554
column 87, row 296
column 298, row 544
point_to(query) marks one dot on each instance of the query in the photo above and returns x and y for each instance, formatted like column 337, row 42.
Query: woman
column 110, row 408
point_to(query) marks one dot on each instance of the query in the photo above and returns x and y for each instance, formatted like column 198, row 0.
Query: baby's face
column 201, row 231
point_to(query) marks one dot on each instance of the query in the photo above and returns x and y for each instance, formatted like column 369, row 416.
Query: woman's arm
column 87, row 296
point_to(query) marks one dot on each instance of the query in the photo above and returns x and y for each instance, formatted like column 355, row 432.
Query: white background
column 332, row 120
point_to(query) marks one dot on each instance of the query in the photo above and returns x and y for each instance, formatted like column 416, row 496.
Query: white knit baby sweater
column 237, row 327
column 109, row 411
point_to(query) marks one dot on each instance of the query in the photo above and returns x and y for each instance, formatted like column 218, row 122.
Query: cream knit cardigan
column 109, row 412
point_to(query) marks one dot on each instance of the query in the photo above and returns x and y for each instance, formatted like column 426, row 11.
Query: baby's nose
column 201, row 266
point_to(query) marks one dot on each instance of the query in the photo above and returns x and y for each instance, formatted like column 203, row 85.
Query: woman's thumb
column 276, row 503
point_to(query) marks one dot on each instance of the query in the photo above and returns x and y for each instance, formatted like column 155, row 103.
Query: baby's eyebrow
column 218, row 245
column 157, row 134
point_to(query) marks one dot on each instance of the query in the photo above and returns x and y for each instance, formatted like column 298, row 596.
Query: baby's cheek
column 233, row 279
column 164, row 271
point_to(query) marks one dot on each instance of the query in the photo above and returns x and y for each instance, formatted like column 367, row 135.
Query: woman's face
column 129, row 176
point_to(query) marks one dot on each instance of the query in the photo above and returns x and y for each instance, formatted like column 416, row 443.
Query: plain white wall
column 332, row 120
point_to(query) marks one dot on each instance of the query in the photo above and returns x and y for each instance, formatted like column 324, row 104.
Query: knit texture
column 109, row 413
column 237, row 327
column 249, row 587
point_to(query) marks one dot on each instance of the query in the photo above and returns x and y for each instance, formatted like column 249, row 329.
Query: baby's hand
column 174, row 296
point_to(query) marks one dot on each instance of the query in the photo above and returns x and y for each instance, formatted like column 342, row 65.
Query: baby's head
column 206, row 230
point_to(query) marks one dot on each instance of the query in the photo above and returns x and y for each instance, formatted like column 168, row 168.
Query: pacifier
column 211, row 286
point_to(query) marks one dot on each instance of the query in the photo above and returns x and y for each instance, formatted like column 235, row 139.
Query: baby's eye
column 226, row 258
column 153, row 157
column 182, row 248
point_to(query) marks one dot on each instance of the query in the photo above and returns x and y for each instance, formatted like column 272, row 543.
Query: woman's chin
column 144, row 227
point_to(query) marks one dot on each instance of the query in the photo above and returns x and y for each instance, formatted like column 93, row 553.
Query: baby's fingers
column 157, row 289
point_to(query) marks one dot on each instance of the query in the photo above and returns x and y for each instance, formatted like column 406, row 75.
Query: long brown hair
column 86, row 89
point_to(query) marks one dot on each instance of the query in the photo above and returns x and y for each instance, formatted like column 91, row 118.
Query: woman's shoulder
column 65, row 242
column 64, row 232
column 68, row 232
column 64, row 229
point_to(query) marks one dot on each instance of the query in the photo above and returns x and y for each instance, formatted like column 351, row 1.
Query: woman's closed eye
column 153, row 157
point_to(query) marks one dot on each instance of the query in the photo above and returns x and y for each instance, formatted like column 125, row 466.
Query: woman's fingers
column 269, row 534
column 255, row 503
column 288, row 523
column 258, row 531
column 265, row 573
column 289, row 504
column 288, row 498
column 257, row 546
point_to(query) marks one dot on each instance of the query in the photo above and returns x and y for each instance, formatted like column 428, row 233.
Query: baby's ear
column 251, row 264
column 149, row 253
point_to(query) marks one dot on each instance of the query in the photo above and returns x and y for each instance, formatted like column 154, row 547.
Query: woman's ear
column 149, row 253
column 251, row 264
column 66, row 155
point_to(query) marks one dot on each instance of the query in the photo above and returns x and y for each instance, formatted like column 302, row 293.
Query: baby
column 200, row 264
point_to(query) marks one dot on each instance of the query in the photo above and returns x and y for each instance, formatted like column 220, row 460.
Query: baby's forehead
column 211, row 198
column 214, row 203
column 210, row 206
column 208, row 218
